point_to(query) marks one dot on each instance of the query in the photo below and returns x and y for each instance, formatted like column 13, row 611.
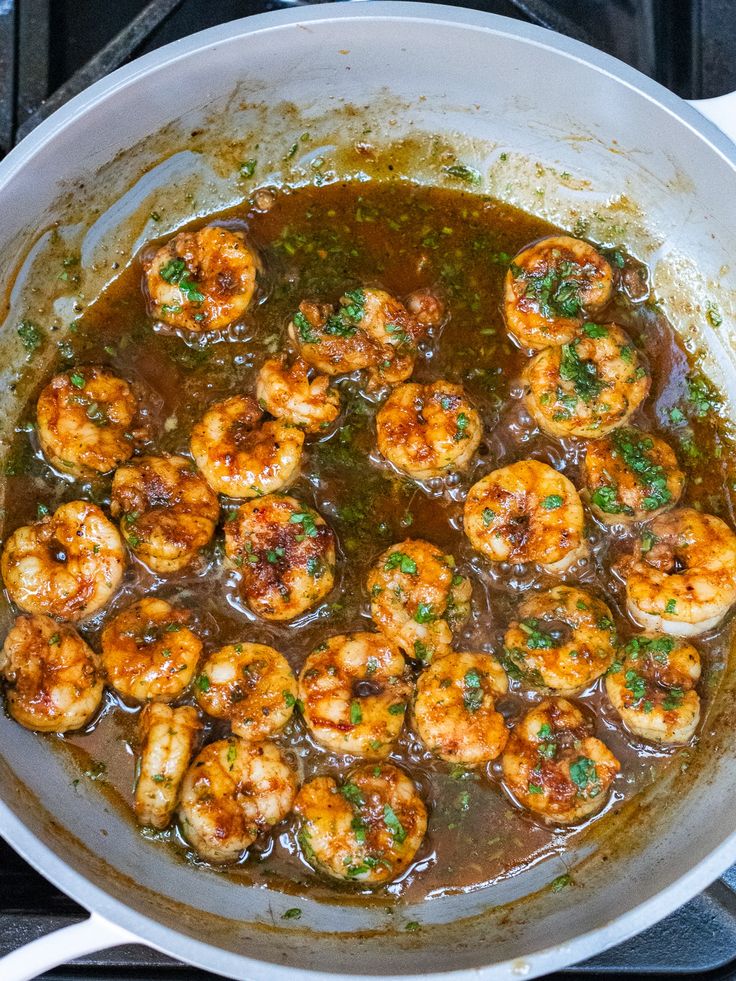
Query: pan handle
column 721, row 111
column 62, row 946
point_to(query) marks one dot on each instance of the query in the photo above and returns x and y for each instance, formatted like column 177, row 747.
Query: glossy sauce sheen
column 316, row 243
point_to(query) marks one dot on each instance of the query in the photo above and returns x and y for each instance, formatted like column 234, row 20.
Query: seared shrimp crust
column 555, row 767
column 242, row 456
column 53, row 681
column 285, row 554
column 587, row 387
column 418, row 598
column 428, row 430
column 166, row 740
column 681, row 578
column 296, row 394
column 653, row 688
column 233, row 792
column 354, row 689
column 454, row 708
column 562, row 640
column 167, row 512
column 88, row 421
column 67, row 564
column 149, row 652
column 201, row 280
column 250, row 685
column 526, row 512
column 550, row 286
column 367, row 829
column 631, row 476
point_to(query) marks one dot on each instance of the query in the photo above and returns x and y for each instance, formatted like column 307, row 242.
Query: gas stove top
column 52, row 49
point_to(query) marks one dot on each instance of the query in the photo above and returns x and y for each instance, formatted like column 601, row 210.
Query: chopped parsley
column 606, row 500
column 309, row 526
column 583, row 773
column 463, row 173
column 488, row 515
column 552, row 502
column 402, row 561
column 424, row 613
column 472, row 691
column 393, row 824
column 351, row 792
column 356, row 713
column 292, row 914
column 536, row 639
column 175, row 272
column 582, row 374
column 30, row 334
column 635, row 684
column 305, row 329
column 634, row 450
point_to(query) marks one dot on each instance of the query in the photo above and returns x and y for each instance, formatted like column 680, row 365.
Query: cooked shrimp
column 250, row 685
column 455, row 712
column 526, row 512
column 428, row 430
column 166, row 738
column 587, row 387
column 354, row 689
column 67, row 564
column 681, row 578
column 555, row 767
column 242, row 456
column 285, row 552
column 201, row 280
column 370, row 329
column 550, row 285
column 631, row 476
column 288, row 392
column 88, row 421
column 653, row 688
column 417, row 598
column 563, row 640
column 53, row 679
column 366, row 830
column 233, row 792
column 167, row 512
column 149, row 652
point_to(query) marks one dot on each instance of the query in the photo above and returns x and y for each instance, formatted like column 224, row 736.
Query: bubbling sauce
column 317, row 243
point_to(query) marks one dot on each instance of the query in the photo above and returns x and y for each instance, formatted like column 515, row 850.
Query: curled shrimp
column 554, row 765
column 149, row 652
column 354, row 690
column 67, row 564
column 454, row 709
column 631, row 476
column 166, row 740
column 550, row 285
column 285, row 553
column 681, row 578
column 562, row 640
column 428, row 430
column 53, row 681
column 367, row 829
column 587, row 387
column 242, row 456
column 526, row 512
column 653, row 688
column 234, row 791
column 288, row 392
column 88, row 421
column 418, row 598
column 250, row 685
column 201, row 280
column 167, row 512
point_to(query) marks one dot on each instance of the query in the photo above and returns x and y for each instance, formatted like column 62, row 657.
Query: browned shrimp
column 149, row 652
column 354, row 689
column 201, row 280
column 67, row 564
column 88, row 421
column 167, row 512
column 166, row 741
column 53, row 679
column 555, row 767
column 587, row 387
column 242, row 456
column 428, row 430
column 285, row 553
column 367, row 829
column 550, row 285
column 294, row 393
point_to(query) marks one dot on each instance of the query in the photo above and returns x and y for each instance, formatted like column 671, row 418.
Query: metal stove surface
column 52, row 49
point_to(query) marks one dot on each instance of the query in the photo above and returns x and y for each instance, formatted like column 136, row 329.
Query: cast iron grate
column 52, row 49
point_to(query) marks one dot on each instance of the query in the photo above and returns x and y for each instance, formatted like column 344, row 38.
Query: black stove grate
column 52, row 49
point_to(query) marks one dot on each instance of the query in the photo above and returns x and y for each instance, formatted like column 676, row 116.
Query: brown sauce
column 316, row 243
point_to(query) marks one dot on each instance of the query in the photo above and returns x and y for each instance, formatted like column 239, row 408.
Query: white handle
column 721, row 111
column 62, row 946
